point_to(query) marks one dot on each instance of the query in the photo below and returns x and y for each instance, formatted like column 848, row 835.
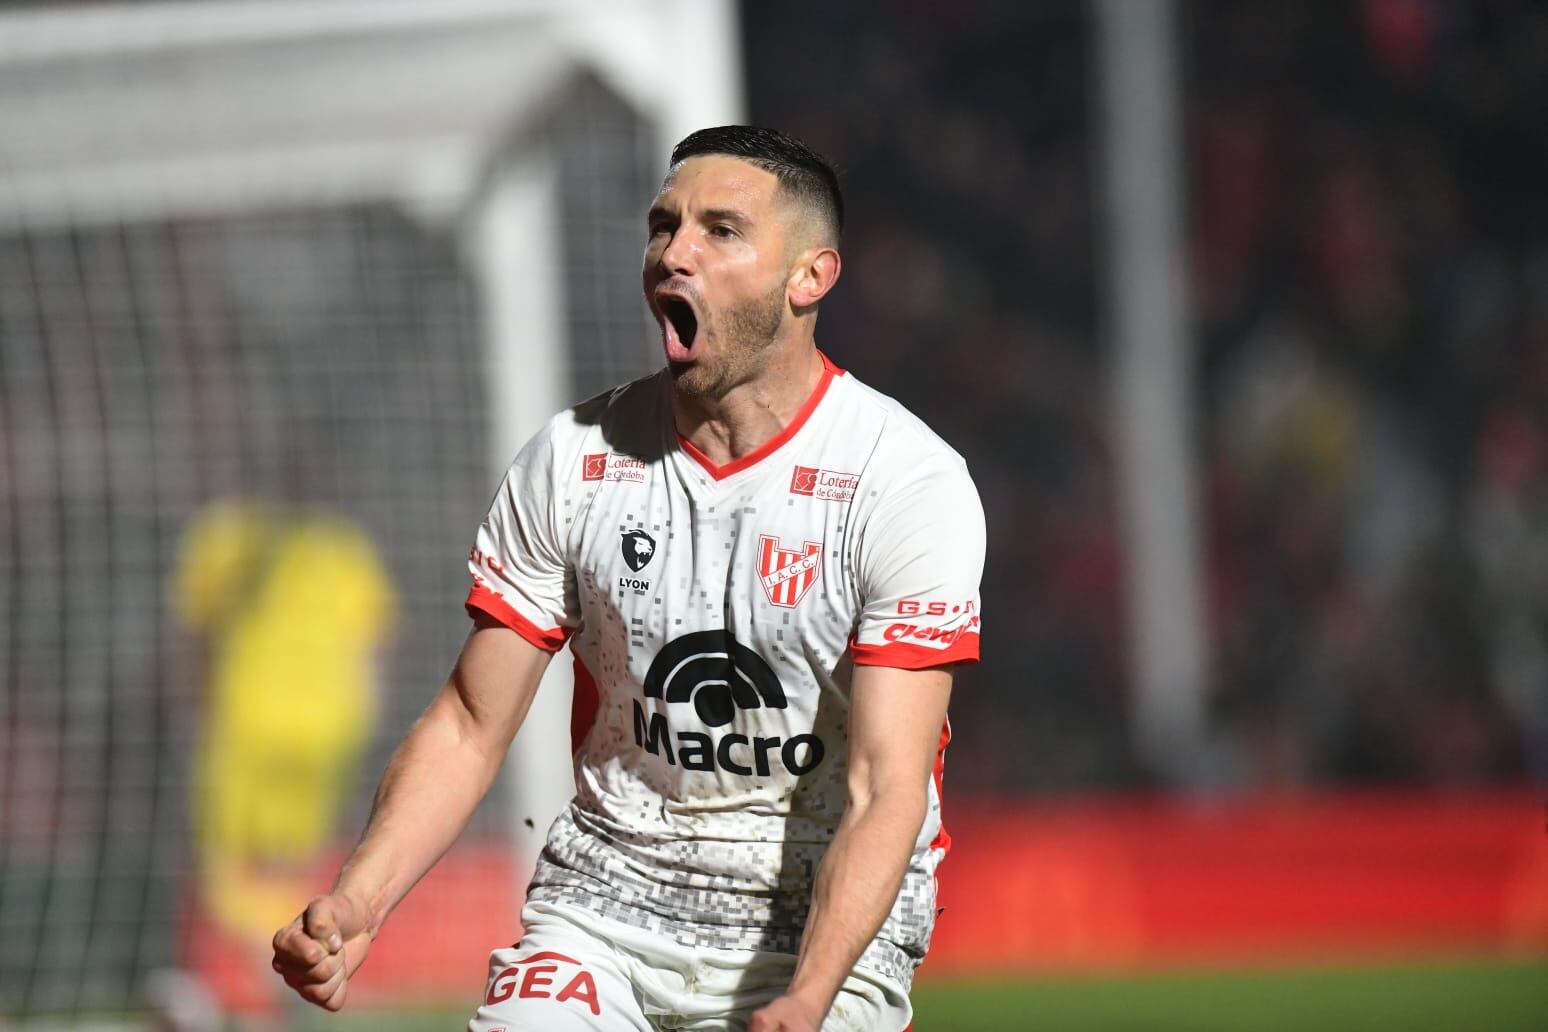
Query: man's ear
column 815, row 272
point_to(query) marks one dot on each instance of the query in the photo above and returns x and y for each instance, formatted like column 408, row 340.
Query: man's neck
column 751, row 414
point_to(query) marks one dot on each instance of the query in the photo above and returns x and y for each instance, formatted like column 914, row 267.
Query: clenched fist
column 318, row 951
column 786, row 1014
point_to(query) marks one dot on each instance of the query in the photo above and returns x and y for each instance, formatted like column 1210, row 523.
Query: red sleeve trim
column 483, row 600
column 906, row 656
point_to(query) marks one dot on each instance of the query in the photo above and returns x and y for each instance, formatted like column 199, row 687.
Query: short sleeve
column 919, row 569
column 521, row 575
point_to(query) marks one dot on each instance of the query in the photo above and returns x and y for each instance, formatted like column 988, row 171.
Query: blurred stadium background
column 1238, row 311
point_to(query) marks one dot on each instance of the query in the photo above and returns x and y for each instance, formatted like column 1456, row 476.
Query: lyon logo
column 638, row 548
column 787, row 575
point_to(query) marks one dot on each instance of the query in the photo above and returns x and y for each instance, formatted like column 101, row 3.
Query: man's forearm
column 857, row 885
column 431, row 787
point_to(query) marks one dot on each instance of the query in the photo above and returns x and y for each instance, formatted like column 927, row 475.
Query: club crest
column 787, row 574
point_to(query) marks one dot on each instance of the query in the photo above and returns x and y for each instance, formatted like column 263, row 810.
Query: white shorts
column 575, row 970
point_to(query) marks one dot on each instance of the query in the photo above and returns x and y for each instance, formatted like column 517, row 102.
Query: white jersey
column 715, row 615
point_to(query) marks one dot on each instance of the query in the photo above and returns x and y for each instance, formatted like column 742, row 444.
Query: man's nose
column 680, row 256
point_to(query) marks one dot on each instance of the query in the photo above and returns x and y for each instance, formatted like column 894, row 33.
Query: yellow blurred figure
column 295, row 605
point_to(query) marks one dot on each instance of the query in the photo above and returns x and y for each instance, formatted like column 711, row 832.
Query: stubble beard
column 744, row 332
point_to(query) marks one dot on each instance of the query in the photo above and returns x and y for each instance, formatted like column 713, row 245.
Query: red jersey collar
column 773, row 444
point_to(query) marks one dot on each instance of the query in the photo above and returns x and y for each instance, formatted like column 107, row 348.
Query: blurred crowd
column 1369, row 270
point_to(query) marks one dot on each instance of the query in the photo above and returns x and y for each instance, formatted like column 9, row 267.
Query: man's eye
column 722, row 231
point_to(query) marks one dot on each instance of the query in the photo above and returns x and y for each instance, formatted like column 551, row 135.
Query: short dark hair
column 802, row 173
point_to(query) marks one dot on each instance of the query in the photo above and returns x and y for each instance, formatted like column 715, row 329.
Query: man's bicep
column 494, row 680
column 896, row 718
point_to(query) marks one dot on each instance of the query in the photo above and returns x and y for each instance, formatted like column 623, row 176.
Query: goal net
column 258, row 260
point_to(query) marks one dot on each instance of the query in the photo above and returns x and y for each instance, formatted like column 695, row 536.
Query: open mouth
column 681, row 323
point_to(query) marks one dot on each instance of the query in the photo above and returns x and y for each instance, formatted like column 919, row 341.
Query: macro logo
column 715, row 672
column 718, row 676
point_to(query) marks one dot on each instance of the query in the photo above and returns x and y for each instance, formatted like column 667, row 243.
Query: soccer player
column 765, row 571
